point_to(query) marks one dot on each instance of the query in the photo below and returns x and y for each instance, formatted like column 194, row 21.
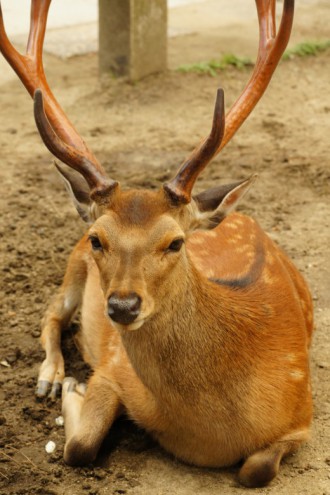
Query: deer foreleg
column 87, row 417
column 56, row 319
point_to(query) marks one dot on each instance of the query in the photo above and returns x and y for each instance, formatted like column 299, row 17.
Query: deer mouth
column 131, row 327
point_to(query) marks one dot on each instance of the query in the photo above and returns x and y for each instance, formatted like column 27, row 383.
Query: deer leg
column 262, row 466
column 87, row 417
column 56, row 319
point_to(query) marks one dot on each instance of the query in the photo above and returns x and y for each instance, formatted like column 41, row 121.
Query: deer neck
column 168, row 344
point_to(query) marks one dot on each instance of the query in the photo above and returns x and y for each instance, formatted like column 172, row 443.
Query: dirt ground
column 141, row 133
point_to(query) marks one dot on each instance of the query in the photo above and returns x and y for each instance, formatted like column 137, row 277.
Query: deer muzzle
column 124, row 309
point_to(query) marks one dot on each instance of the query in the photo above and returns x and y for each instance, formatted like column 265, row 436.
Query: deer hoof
column 43, row 387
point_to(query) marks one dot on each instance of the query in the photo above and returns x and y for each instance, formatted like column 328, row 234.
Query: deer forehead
column 138, row 207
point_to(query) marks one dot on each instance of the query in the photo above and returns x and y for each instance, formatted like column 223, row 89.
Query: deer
column 196, row 325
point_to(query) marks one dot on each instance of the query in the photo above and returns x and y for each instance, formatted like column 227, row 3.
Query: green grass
column 212, row 67
column 306, row 49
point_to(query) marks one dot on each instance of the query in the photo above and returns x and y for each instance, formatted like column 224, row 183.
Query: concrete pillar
column 132, row 37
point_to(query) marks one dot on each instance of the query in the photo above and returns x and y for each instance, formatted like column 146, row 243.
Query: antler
column 271, row 48
column 57, row 132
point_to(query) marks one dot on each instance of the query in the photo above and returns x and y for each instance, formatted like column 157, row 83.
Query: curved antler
column 99, row 184
column 271, row 48
column 179, row 189
column 57, row 132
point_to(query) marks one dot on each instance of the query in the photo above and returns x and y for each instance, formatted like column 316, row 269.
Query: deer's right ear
column 78, row 190
column 213, row 205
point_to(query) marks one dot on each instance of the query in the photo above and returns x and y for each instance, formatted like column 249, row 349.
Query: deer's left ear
column 210, row 207
column 78, row 190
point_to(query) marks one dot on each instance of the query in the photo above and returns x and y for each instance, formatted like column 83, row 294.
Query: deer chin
column 128, row 328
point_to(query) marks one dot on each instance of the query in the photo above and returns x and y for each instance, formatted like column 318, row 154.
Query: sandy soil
column 141, row 133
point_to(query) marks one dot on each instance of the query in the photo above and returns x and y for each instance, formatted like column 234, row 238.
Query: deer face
column 138, row 244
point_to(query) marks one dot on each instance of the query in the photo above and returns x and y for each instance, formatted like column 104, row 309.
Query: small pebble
column 59, row 421
column 5, row 363
column 50, row 447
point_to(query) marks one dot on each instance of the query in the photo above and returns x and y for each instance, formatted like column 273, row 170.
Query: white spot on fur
column 267, row 277
column 232, row 225
column 303, row 304
column 291, row 358
column 250, row 255
column 297, row 375
column 199, row 265
column 242, row 248
column 211, row 233
column 116, row 356
column 270, row 258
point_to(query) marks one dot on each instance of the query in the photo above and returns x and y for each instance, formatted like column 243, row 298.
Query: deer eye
column 175, row 245
column 95, row 243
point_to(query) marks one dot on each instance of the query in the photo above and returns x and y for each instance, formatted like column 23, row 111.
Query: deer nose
column 124, row 309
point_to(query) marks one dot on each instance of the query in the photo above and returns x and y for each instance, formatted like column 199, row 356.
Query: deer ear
column 78, row 190
column 211, row 206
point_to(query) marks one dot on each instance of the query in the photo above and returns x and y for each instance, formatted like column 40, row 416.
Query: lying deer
column 195, row 323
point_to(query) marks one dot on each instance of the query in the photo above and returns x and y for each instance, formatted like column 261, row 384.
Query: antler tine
column 29, row 67
column 271, row 48
column 39, row 11
column 99, row 184
column 67, row 144
column 21, row 63
column 180, row 188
